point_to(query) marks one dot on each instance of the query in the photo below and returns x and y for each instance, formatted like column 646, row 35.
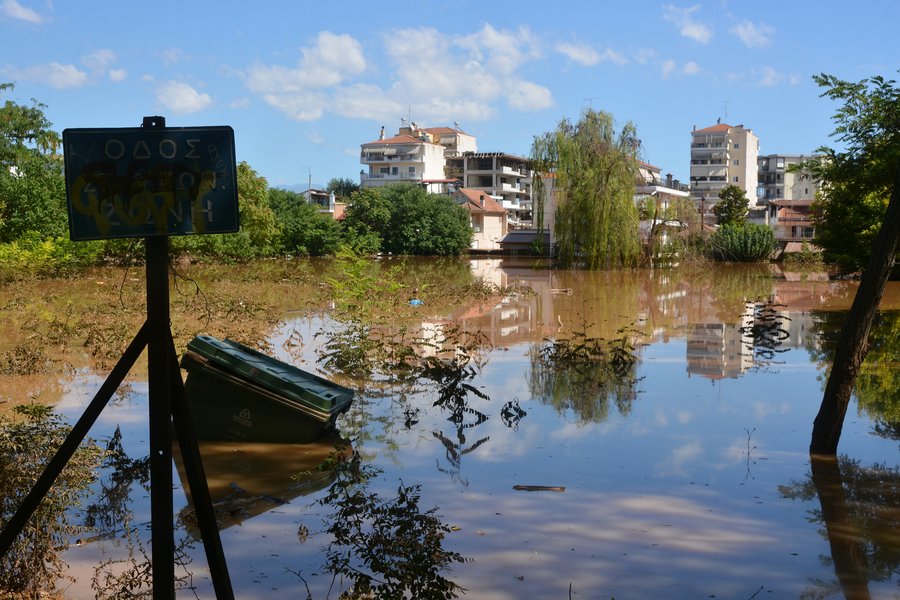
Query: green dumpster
column 237, row 393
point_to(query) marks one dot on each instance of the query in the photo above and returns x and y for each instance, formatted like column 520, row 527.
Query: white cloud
column 117, row 75
column 181, row 98
column 441, row 77
column 240, row 103
column 644, row 55
column 53, row 74
column 581, row 53
column 501, row 51
column 687, row 26
column 307, row 106
column 770, row 77
column 330, row 61
column 668, row 68
column 172, row 56
column 529, row 96
column 753, row 35
column 588, row 56
column 690, row 68
column 99, row 61
column 11, row 8
column 366, row 101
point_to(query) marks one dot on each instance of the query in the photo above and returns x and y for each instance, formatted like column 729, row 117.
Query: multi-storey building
column 507, row 178
column 414, row 155
column 442, row 159
column 723, row 155
column 777, row 182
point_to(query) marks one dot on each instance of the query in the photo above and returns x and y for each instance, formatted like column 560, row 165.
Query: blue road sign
column 141, row 182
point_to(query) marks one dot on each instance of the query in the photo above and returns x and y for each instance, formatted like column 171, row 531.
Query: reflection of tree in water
column 382, row 547
column 764, row 331
column 859, row 514
column 111, row 511
column 584, row 374
column 450, row 378
column 877, row 388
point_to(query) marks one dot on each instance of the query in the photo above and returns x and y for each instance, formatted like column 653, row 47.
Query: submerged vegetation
column 34, row 564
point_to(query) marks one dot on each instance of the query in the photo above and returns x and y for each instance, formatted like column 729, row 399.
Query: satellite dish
column 414, row 125
column 456, row 124
column 403, row 120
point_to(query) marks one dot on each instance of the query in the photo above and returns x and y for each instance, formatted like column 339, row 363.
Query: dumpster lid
column 271, row 373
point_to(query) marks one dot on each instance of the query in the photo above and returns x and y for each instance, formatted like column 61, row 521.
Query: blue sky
column 303, row 84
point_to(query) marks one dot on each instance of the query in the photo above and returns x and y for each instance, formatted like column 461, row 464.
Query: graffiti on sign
column 137, row 182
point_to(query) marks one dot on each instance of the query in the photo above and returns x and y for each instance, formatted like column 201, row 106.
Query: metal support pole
column 159, row 378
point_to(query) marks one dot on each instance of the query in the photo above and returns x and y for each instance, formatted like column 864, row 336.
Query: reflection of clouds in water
column 675, row 465
column 684, row 417
column 762, row 409
column 609, row 542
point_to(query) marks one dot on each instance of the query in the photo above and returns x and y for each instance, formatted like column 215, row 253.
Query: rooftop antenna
column 725, row 104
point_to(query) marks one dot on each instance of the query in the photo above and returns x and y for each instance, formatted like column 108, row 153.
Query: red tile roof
column 397, row 139
column 443, row 130
column 480, row 201
column 721, row 127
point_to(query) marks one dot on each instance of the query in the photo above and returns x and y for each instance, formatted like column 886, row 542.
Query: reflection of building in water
column 720, row 350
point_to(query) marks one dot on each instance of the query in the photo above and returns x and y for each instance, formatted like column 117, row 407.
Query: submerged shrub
column 744, row 242
column 33, row 565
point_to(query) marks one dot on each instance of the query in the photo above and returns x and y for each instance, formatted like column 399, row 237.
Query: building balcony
column 385, row 178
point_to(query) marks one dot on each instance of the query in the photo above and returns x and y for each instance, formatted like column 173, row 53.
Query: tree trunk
column 852, row 345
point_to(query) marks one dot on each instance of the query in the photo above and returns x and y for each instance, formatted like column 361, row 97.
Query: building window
column 395, row 170
column 411, row 171
column 806, row 191
column 737, row 146
column 384, row 170
column 736, row 162
column 779, row 193
column 779, row 164
column 736, row 178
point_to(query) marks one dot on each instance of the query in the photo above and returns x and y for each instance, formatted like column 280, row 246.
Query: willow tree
column 595, row 168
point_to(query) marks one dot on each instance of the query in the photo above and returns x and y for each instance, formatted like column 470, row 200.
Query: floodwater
column 691, row 481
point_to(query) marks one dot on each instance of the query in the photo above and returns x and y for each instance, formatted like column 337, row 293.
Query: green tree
column 342, row 187
column 302, row 228
column 855, row 183
column 404, row 219
column 367, row 219
column 732, row 206
column 595, row 167
column 869, row 125
column 424, row 224
column 32, row 187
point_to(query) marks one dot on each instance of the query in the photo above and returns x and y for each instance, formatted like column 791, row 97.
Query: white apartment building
column 776, row 183
column 414, row 155
column 723, row 155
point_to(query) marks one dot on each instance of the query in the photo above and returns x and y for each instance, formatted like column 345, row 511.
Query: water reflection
column 246, row 479
column 858, row 513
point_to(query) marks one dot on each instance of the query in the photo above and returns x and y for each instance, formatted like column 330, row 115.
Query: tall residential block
column 723, row 155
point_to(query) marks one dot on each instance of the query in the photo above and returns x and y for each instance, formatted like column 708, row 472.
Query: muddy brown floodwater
column 690, row 479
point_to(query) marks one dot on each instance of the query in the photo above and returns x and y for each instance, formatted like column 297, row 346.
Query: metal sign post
column 188, row 185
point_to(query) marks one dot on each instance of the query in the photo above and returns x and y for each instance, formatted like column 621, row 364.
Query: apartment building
column 776, row 182
column 723, row 155
column 415, row 155
column 506, row 177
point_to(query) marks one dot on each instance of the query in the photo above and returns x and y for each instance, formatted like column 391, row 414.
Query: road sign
column 142, row 182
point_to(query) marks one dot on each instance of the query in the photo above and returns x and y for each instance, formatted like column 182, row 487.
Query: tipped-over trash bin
column 237, row 393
